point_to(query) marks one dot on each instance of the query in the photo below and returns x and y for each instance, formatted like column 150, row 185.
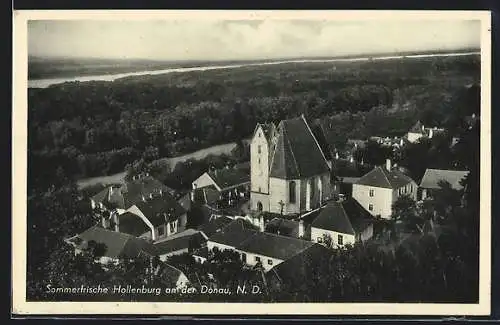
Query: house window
column 172, row 226
column 340, row 240
column 370, row 207
column 319, row 240
column 371, row 193
column 244, row 257
column 270, row 262
column 257, row 259
column 161, row 231
column 411, row 188
column 258, row 149
column 291, row 192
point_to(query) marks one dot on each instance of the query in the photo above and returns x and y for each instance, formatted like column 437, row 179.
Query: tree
column 327, row 241
column 404, row 211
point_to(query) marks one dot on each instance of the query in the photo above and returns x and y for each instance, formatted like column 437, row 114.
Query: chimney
column 388, row 164
column 301, row 228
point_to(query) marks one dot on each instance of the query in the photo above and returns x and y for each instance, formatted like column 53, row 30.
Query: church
column 289, row 172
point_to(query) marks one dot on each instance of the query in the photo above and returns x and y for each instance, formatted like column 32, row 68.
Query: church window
column 259, row 205
column 340, row 240
column 291, row 190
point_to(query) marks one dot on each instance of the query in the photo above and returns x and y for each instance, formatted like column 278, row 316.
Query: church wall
column 279, row 192
column 255, row 198
column 316, row 200
column 259, row 163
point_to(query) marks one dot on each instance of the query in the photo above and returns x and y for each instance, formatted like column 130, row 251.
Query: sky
column 244, row 39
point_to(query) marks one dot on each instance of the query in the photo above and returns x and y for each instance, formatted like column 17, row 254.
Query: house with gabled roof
column 116, row 245
column 222, row 188
column 377, row 190
column 419, row 131
column 186, row 241
column 142, row 207
column 255, row 247
column 121, row 197
column 290, row 173
column 432, row 177
column 345, row 222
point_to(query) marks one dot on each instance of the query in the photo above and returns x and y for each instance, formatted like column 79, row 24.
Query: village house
column 116, row 246
column 377, row 190
column 345, row 222
column 184, row 242
column 419, row 131
column 142, row 207
column 222, row 188
column 290, row 174
column 432, row 178
column 255, row 247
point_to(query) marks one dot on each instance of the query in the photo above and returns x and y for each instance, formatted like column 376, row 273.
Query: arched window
column 291, row 190
column 259, row 206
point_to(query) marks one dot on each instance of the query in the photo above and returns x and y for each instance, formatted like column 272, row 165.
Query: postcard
column 251, row 162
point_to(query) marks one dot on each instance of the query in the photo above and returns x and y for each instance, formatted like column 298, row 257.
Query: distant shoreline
column 87, row 74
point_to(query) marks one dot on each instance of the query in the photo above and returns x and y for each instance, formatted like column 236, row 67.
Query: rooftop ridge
column 315, row 140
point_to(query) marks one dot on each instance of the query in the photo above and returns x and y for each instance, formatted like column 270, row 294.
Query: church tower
column 261, row 149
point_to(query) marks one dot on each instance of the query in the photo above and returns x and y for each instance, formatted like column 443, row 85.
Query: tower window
column 258, row 149
column 291, row 190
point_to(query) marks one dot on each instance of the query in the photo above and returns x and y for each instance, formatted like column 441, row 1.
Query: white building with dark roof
column 142, row 207
column 377, row 190
column 419, row 131
column 254, row 246
column 432, row 178
column 289, row 172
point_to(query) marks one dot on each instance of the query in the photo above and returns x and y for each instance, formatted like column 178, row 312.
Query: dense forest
column 96, row 128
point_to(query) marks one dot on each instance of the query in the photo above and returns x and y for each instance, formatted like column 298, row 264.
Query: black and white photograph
column 319, row 162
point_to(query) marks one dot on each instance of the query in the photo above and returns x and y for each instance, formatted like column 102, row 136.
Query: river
column 218, row 150
column 44, row 83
